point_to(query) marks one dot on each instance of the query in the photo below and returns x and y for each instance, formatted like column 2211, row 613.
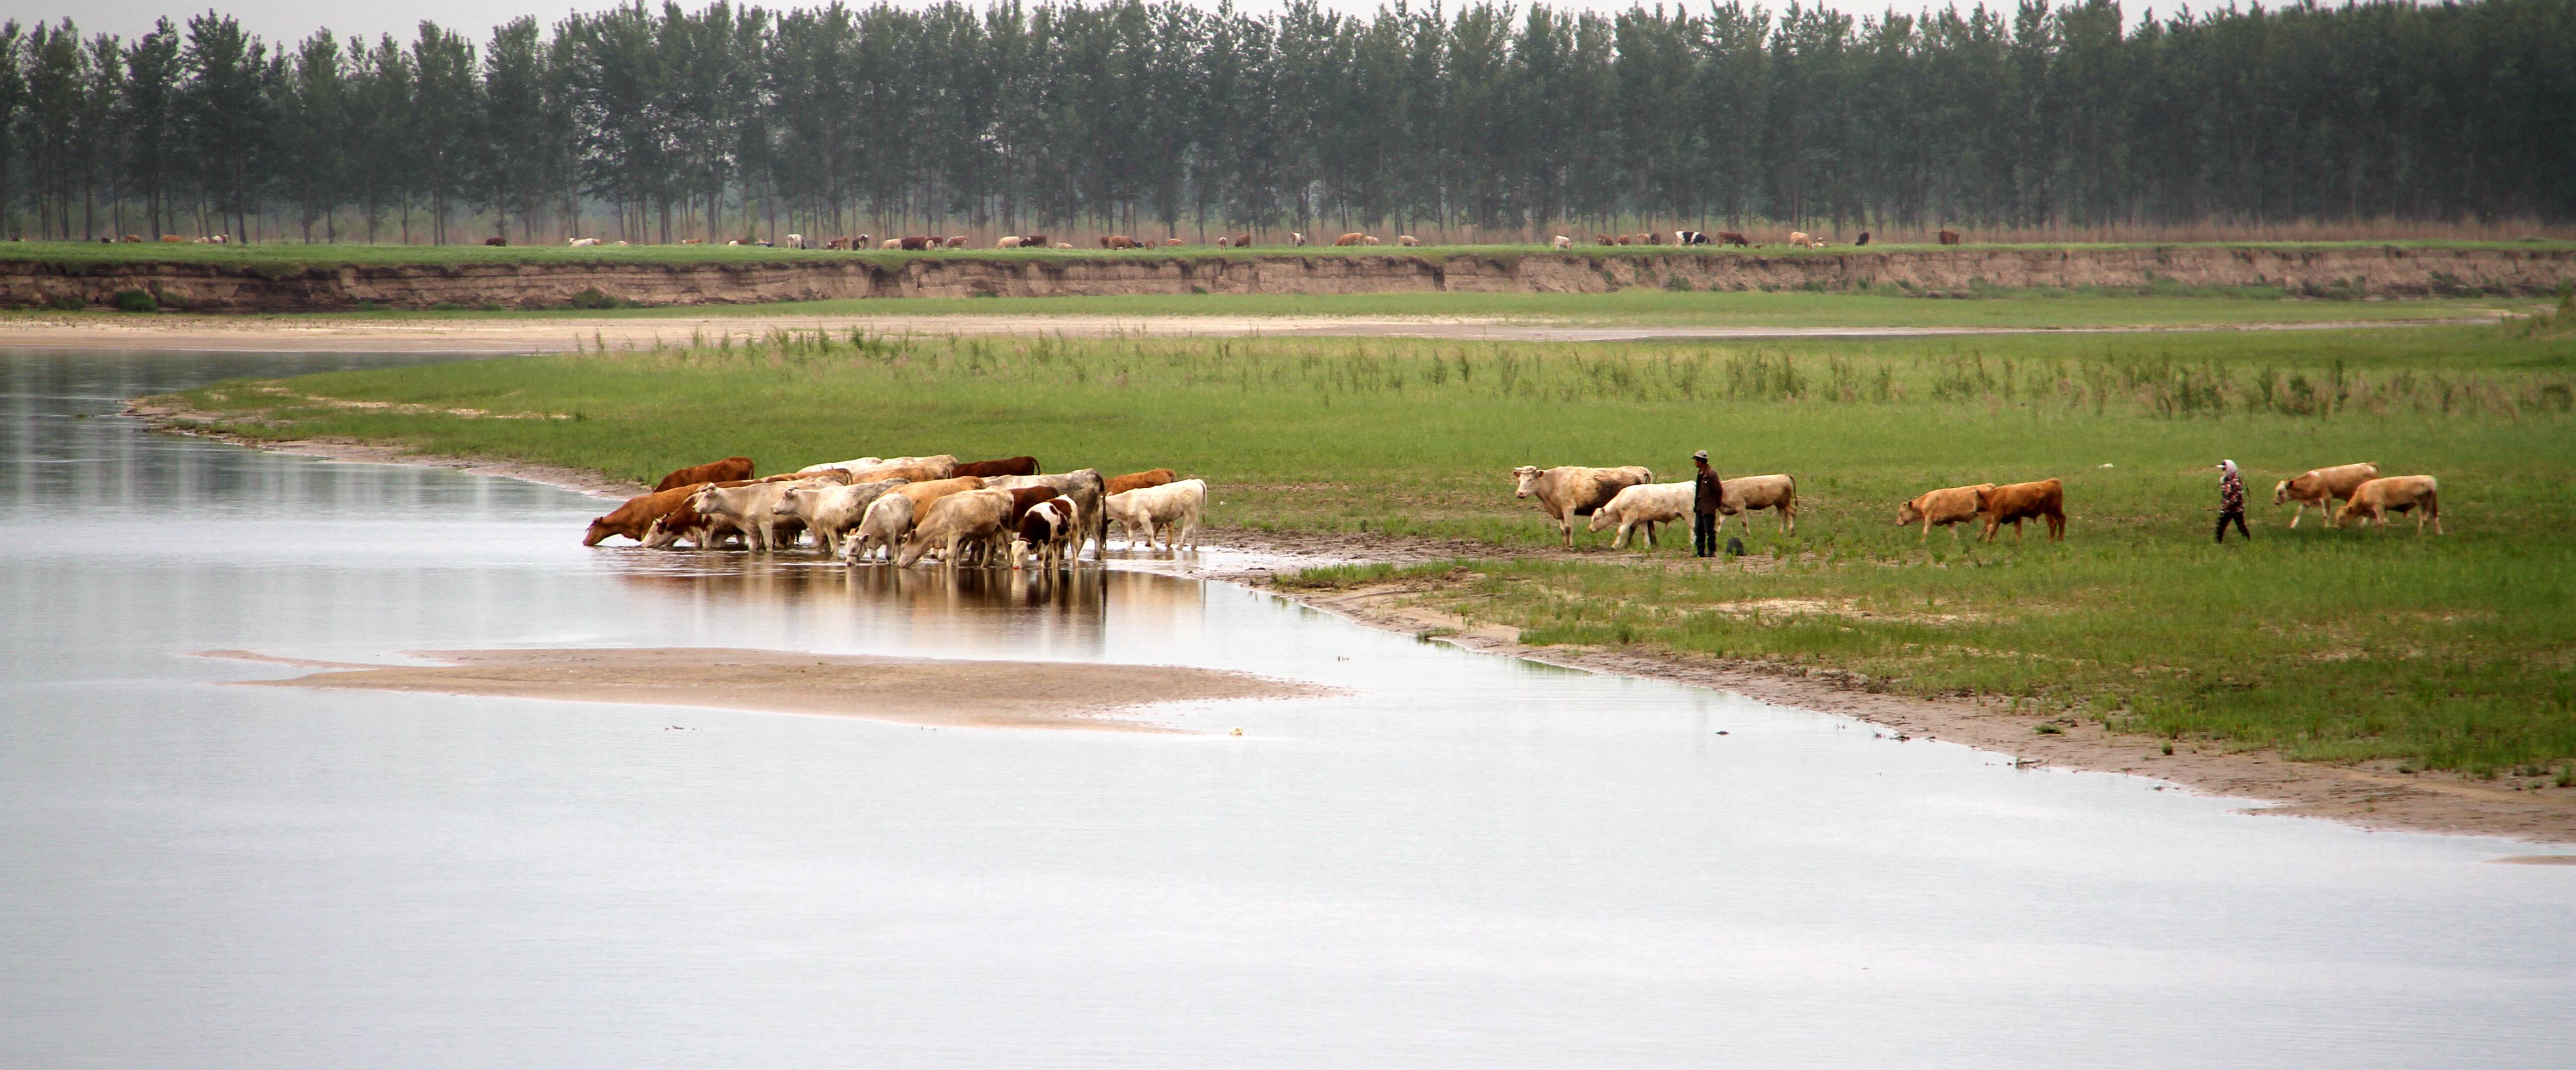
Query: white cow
column 887, row 520
column 829, row 511
column 957, row 523
column 752, row 507
column 795, row 241
column 1746, row 495
column 1645, row 505
column 581, row 242
column 1175, row 509
column 1563, row 242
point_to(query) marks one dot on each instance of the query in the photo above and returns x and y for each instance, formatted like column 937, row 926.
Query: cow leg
column 1788, row 518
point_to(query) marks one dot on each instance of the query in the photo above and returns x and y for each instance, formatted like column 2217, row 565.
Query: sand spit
column 918, row 691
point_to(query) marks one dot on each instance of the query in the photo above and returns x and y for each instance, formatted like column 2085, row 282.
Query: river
column 1462, row 860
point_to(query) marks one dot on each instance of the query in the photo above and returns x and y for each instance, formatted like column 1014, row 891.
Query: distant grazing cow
column 1007, row 242
column 830, row 512
column 1223, row 242
column 1568, row 492
column 1946, row 507
column 1644, row 505
column 837, row 244
column 693, row 241
column 2395, row 494
column 1353, row 238
column 1604, row 239
column 1563, row 242
column 1035, row 241
column 1043, row 533
column 2015, row 502
column 1174, row 241
column 1800, row 239
column 1949, row 237
column 795, row 241
column 496, row 241
column 1064, row 245
column 891, row 243
column 1690, row 237
column 1627, row 239
column 881, row 527
column 132, row 238
column 1243, row 241
column 1863, row 240
column 957, row 241
column 916, row 243
column 1174, row 509
column 578, row 243
column 174, row 239
column 639, row 513
column 710, row 472
column 862, row 241
column 1728, row 237
column 1746, row 495
column 1118, row 241
column 2321, row 486
column 1407, row 239
column 1007, row 466
column 1150, row 478
column 956, row 524
column 1295, row 238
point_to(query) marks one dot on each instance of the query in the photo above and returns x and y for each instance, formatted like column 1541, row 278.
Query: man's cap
column 1700, row 456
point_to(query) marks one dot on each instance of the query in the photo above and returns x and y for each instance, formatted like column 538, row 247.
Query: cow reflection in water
column 1066, row 605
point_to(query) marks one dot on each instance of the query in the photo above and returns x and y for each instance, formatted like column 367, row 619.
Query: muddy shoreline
column 2370, row 795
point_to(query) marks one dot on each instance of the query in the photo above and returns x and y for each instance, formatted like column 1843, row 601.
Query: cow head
column 599, row 529
column 1907, row 514
column 1526, row 478
column 660, row 534
column 787, row 500
column 1985, row 500
column 1020, row 552
column 2281, row 493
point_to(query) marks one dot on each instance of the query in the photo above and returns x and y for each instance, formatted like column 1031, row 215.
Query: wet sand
column 917, row 691
column 551, row 334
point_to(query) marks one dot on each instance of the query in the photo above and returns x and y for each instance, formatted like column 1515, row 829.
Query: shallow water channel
column 1465, row 860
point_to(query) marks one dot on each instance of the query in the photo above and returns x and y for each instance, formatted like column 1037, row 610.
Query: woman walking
column 2231, row 500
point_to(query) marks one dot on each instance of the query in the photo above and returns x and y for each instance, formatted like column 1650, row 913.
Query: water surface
column 1467, row 861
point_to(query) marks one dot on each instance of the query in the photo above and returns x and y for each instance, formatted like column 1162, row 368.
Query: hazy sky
column 294, row 19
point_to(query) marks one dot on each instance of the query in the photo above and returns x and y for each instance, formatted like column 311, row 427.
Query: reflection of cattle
column 1007, row 466
column 710, row 472
column 2015, row 502
column 1746, row 495
column 2321, row 486
column 1571, row 491
column 1644, row 505
column 2396, row 494
column 1946, row 507
column 1150, row 478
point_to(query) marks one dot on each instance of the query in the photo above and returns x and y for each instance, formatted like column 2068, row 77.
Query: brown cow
column 957, row 241
column 496, row 241
column 1008, row 466
column 1627, row 239
column 2016, row 502
column 1033, row 241
column 1353, row 238
column 2321, row 486
column 1243, row 241
column 1118, row 241
column 1949, row 237
column 174, row 239
column 710, row 472
column 2396, row 494
column 1174, row 241
column 915, row 243
column 637, row 514
column 1154, row 477
column 132, row 238
column 1568, row 492
column 1024, row 497
column 1728, row 237
column 686, row 522
column 1946, row 507
column 1604, row 239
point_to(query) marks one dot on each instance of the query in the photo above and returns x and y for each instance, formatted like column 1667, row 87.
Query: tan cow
column 957, row 523
column 1152, row 477
column 2396, row 494
column 1644, row 505
column 1946, row 507
column 1353, row 238
column 710, row 472
column 884, row 524
column 1407, row 240
column 2321, row 486
column 1746, row 495
column 924, row 492
column 1568, row 492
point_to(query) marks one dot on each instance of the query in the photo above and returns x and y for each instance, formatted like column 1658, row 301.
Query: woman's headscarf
column 2227, row 471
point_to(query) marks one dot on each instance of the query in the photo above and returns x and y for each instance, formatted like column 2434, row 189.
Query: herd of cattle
column 903, row 509
column 1628, row 499
column 926, row 242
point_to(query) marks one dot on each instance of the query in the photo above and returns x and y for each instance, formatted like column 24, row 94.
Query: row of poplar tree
column 669, row 122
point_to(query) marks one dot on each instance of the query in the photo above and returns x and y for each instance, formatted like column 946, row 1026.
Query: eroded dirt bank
column 2388, row 270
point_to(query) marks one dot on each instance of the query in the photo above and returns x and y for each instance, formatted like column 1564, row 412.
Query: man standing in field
column 2231, row 500
column 1708, row 495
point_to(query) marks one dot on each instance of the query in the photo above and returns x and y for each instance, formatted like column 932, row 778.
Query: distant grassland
column 2458, row 651
column 295, row 256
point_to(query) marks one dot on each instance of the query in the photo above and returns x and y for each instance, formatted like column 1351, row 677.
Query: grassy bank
column 2453, row 652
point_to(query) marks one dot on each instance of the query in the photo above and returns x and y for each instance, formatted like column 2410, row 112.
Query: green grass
column 2458, row 651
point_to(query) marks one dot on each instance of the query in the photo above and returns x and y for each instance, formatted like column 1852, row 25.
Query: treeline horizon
column 724, row 122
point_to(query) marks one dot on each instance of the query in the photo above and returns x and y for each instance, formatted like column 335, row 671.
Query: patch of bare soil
column 918, row 691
